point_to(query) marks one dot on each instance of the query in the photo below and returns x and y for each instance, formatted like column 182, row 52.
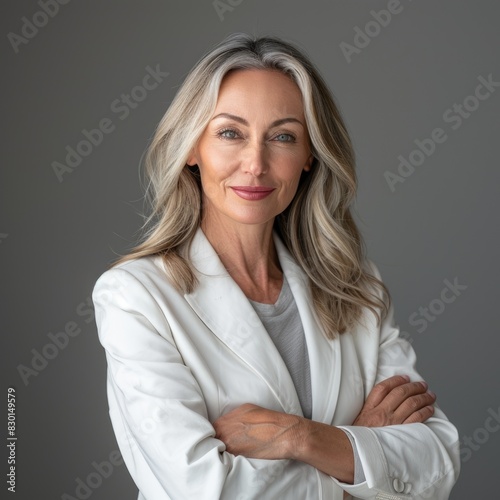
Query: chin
column 253, row 218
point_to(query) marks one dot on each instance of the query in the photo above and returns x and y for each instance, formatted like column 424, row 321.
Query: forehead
column 261, row 88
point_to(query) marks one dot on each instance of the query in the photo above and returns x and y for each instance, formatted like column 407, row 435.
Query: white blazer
column 178, row 362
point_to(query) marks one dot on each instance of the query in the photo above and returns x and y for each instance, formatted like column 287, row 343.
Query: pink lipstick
column 252, row 193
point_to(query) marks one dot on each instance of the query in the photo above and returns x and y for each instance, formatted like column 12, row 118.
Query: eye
column 227, row 133
column 285, row 137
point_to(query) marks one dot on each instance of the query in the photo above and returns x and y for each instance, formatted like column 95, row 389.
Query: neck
column 248, row 253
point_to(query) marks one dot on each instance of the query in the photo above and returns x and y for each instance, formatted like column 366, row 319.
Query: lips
column 252, row 193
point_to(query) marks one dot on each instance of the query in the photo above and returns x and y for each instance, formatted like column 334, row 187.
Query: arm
column 412, row 459
column 391, row 402
column 159, row 413
column 252, row 431
column 407, row 447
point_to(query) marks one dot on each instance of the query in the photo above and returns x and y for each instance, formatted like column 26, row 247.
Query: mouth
column 252, row 192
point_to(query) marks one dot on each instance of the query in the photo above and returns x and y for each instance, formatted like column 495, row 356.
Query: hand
column 395, row 401
column 257, row 432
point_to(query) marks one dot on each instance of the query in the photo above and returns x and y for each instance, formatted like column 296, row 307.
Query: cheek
column 291, row 171
column 217, row 163
column 291, row 184
column 215, row 171
column 292, row 188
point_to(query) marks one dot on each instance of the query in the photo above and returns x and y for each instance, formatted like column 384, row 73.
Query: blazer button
column 398, row 485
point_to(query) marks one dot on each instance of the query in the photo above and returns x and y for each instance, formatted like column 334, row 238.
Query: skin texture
column 243, row 145
column 256, row 432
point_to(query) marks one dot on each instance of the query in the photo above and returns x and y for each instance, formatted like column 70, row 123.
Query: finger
column 401, row 393
column 382, row 389
column 420, row 416
column 413, row 405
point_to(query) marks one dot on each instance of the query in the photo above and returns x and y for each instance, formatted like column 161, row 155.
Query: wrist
column 325, row 447
column 299, row 430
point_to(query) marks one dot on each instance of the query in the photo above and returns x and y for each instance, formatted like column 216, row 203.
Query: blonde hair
column 317, row 227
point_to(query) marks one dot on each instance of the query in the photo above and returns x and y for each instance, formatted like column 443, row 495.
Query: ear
column 309, row 163
column 192, row 158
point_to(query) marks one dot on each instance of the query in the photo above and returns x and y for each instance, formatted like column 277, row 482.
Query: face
column 254, row 149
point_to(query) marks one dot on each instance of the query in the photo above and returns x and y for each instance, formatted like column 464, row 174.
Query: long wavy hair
column 317, row 227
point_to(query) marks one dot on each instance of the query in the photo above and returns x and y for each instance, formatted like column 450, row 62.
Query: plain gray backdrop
column 396, row 81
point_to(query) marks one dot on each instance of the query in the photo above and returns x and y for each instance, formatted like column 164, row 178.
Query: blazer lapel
column 225, row 310
column 324, row 354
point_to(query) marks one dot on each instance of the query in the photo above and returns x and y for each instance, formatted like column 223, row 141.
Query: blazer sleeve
column 405, row 461
column 159, row 414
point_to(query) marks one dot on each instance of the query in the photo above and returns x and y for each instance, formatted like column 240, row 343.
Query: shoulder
column 141, row 269
column 136, row 277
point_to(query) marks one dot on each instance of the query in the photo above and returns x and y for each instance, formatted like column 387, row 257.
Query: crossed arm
column 256, row 432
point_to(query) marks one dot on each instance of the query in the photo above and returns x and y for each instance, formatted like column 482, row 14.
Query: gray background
column 56, row 238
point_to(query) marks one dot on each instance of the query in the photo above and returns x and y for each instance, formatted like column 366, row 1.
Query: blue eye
column 285, row 138
column 228, row 133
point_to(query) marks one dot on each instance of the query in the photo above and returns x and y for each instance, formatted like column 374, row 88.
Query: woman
column 250, row 344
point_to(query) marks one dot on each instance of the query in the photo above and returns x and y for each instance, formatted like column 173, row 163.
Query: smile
column 252, row 193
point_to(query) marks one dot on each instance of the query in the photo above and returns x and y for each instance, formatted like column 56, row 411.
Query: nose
column 256, row 161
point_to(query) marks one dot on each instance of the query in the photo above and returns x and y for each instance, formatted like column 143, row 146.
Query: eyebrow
column 239, row 119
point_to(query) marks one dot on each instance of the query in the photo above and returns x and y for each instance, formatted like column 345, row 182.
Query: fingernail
column 406, row 377
column 424, row 384
column 432, row 394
